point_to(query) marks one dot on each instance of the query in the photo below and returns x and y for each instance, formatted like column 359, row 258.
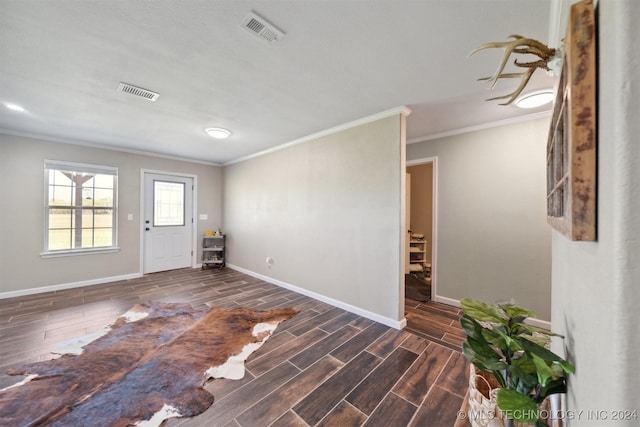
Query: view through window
column 168, row 203
column 80, row 207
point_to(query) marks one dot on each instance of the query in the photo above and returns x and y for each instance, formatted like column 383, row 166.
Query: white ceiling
column 339, row 61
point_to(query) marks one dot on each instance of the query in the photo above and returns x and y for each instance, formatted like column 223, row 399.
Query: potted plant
column 516, row 354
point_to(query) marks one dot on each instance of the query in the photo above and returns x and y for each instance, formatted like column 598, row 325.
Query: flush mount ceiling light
column 535, row 99
column 217, row 133
column 14, row 107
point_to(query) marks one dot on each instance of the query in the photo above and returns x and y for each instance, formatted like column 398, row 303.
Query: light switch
column 203, row 217
column 129, row 217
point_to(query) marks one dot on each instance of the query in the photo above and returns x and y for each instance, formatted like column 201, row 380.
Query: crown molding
column 60, row 140
column 402, row 110
column 483, row 126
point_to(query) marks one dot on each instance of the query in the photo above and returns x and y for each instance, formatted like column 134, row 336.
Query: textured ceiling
column 338, row 62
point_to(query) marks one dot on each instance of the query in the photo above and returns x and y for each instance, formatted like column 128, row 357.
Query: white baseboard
column 336, row 303
column 531, row 321
column 348, row 307
column 31, row 291
column 447, row 301
column 539, row 323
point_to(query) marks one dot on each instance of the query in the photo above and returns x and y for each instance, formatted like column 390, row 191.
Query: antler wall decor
column 523, row 46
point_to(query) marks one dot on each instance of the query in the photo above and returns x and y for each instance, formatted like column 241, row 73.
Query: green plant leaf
column 515, row 311
column 517, row 406
column 509, row 343
column 554, row 386
column 471, row 327
column 543, row 370
column 517, row 321
column 496, row 367
column 482, row 356
column 533, row 348
column 482, row 349
column 568, row 367
column 535, row 329
column 473, row 357
column 482, row 312
column 523, row 371
column 496, row 337
column 541, row 340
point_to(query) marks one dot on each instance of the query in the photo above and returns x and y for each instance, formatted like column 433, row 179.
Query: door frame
column 194, row 210
column 434, row 219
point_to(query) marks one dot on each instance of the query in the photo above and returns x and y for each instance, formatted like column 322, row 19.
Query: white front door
column 168, row 222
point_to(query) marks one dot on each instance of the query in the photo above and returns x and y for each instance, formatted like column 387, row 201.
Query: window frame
column 155, row 204
column 58, row 165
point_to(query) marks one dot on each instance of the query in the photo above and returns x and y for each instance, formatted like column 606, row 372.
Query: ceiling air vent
column 137, row 91
column 261, row 28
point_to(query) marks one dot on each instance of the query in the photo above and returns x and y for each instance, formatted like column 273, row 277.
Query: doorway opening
column 420, row 274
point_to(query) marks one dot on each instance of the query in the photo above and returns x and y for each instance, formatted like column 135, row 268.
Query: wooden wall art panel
column 571, row 147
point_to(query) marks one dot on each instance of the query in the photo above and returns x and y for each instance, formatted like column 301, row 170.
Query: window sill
column 74, row 252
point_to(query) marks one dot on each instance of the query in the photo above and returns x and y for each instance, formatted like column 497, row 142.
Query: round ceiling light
column 218, row 133
column 535, row 99
column 14, row 107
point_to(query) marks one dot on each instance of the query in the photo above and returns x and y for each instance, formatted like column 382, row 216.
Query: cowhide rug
column 150, row 365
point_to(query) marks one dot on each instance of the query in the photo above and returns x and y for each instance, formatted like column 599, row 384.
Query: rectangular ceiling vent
column 261, row 28
column 137, row 91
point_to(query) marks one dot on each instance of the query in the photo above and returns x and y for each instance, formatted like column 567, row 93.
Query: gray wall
column 596, row 286
column 22, row 212
column 493, row 239
column 327, row 212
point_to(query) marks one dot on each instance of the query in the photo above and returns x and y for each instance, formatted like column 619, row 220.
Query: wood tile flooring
column 324, row 367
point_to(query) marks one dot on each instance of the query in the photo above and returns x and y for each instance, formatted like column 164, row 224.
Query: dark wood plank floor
column 324, row 367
